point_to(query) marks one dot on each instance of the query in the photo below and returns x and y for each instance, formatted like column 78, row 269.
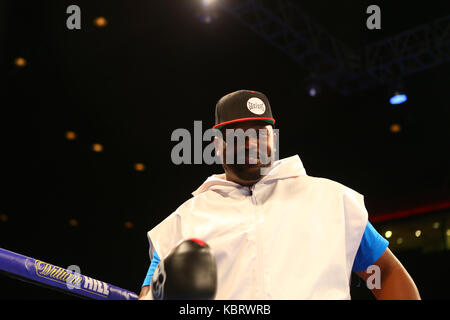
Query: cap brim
column 268, row 120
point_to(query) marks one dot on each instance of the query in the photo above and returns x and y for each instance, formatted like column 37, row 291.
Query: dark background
column 156, row 67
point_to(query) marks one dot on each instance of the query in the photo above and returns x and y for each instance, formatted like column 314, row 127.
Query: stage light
column 139, row 166
column 128, row 225
column 3, row 217
column 436, row 225
column 312, row 92
column 395, row 127
column 418, row 233
column 448, row 232
column 70, row 135
column 398, row 98
column 206, row 18
column 73, row 222
column 20, row 62
column 399, row 240
column 97, row 147
column 388, row 234
column 100, row 22
column 396, row 91
column 312, row 85
column 207, row 11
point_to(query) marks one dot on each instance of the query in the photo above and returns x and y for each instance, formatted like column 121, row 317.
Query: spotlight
column 128, row 225
column 20, row 62
column 207, row 2
column 97, row 147
column 397, row 92
column 207, row 17
column 395, row 127
column 100, row 22
column 207, row 12
column 398, row 98
column 312, row 85
column 70, row 135
column 139, row 166
column 312, row 92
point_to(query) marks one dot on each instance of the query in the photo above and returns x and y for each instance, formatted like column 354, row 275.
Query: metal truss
column 409, row 52
column 285, row 26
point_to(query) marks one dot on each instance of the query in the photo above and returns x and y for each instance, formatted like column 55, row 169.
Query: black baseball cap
column 243, row 105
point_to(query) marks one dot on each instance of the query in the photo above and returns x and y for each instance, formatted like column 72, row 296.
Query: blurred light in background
column 3, row 217
column 206, row 18
column 20, row 62
column 398, row 98
column 207, row 11
column 97, row 147
column 129, row 225
column 73, row 222
column 424, row 233
column 395, row 127
column 312, row 84
column 100, row 22
column 139, row 166
column 312, row 92
column 70, row 135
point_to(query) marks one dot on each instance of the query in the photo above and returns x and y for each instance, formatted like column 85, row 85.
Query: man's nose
column 251, row 142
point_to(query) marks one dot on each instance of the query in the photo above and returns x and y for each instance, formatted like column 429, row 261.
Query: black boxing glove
column 189, row 272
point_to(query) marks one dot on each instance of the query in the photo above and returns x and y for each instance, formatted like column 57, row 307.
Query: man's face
column 246, row 150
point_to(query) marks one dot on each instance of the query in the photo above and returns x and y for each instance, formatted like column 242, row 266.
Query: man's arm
column 144, row 292
column 396, row 283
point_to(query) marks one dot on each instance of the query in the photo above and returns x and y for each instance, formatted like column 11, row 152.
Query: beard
column 247, row 171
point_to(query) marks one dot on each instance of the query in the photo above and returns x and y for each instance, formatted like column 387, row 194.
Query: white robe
column 291, row 236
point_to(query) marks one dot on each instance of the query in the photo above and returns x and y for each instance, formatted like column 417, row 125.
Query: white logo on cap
column 256, row 105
